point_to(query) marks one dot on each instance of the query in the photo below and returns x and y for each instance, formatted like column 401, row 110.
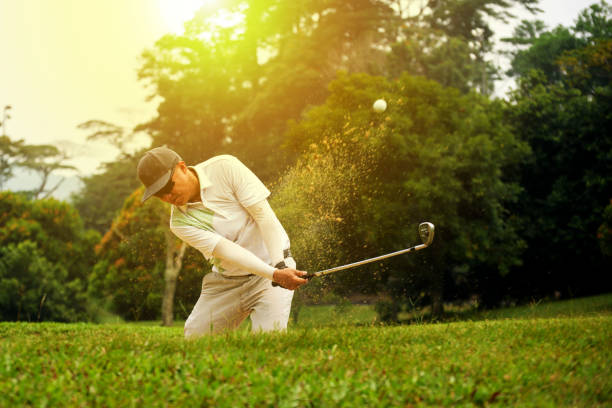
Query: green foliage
column 10, row 155
column 588, row 68
column 34, row 289
column 448, row 41
column 197, row 97
column 44, row 160
column 594, row 22
column 130, row 273
column 364, row 181
column 220, row 94
column 367, row 180
column 447, row 61
column 511, row 362
column 568, row 181
column 103, row 194
column 233, row 88
column 545, row 48
column 45, row 258
column 471, row 19
column 40, row 159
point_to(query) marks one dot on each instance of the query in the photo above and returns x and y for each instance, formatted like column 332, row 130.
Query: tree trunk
column 168, row 299
column 174, row 262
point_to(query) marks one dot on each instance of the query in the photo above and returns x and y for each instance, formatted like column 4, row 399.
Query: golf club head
column 426, row 231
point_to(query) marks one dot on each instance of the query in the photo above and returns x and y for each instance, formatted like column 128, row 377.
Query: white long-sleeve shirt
column 228, row 190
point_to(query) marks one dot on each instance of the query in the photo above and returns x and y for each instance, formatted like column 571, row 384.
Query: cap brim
column 158, row 185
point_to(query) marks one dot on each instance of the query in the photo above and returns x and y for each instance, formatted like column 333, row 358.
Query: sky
column 65, row 62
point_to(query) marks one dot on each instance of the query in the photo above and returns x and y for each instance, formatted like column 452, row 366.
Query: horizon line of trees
column 519, row 189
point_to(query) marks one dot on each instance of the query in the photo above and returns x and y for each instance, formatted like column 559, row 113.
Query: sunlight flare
column 176, row 12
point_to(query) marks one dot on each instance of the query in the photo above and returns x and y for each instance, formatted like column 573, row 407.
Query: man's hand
column 289, row 278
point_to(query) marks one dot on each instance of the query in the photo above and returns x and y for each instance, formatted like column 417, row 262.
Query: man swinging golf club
column 220, row 208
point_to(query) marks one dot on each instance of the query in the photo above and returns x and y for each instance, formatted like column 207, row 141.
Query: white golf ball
column 379, row 106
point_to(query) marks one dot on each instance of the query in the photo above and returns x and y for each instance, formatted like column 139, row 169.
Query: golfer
column 220, row 208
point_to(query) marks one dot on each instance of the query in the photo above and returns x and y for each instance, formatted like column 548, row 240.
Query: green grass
column 330, row 315
column 581, row 307
column 561, row 357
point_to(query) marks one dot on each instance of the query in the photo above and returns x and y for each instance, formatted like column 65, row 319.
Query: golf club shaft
column 426, row 231
column 354, row 264
column 365, row 261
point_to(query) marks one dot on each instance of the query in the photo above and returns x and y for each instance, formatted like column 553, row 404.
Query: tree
column 543, row 51
column 10, row 151
column 434, row 155
column 567, row 183
column 10, row 155
column 539, row 49
column 109, row 132
column 140, row 262
column 232, row 88
column 45, row 257
column 588, row 68
column 103, row 193
column 223, row 94
column 430, row 54
column 44, row 160
column 449, row 40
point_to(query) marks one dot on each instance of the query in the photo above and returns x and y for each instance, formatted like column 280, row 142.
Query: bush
column 45, row 259
column 129, row 275
column 388, row 311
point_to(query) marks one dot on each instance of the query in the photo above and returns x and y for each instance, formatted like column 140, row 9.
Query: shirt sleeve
column 246, row 260
column 244, row 183
column 265, row 219
column 202, row 240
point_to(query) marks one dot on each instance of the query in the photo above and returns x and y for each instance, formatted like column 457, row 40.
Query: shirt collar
column 203, row 178
column 204, row 184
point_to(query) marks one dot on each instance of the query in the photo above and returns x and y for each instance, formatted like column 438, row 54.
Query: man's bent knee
column 194, row 329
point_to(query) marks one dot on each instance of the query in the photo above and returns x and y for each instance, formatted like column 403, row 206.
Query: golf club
column 426, row 232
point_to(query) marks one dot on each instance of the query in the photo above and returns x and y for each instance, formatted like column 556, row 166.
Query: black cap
column 155, row 169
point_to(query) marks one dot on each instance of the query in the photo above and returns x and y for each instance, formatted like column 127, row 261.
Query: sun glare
column 176, row 12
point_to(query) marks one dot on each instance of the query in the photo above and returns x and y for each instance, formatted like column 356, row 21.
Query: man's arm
column 234, row 253
column 231, row 252
column 211, row 244
column 265, row 219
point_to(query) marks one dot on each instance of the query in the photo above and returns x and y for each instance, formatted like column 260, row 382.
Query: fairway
column 534, row 361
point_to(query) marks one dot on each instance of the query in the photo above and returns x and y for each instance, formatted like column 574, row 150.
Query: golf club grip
column 308, row 276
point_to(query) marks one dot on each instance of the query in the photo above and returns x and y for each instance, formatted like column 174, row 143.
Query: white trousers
column 226, row 301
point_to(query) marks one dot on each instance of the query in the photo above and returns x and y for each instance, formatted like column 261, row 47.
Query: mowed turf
column 538, row 362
